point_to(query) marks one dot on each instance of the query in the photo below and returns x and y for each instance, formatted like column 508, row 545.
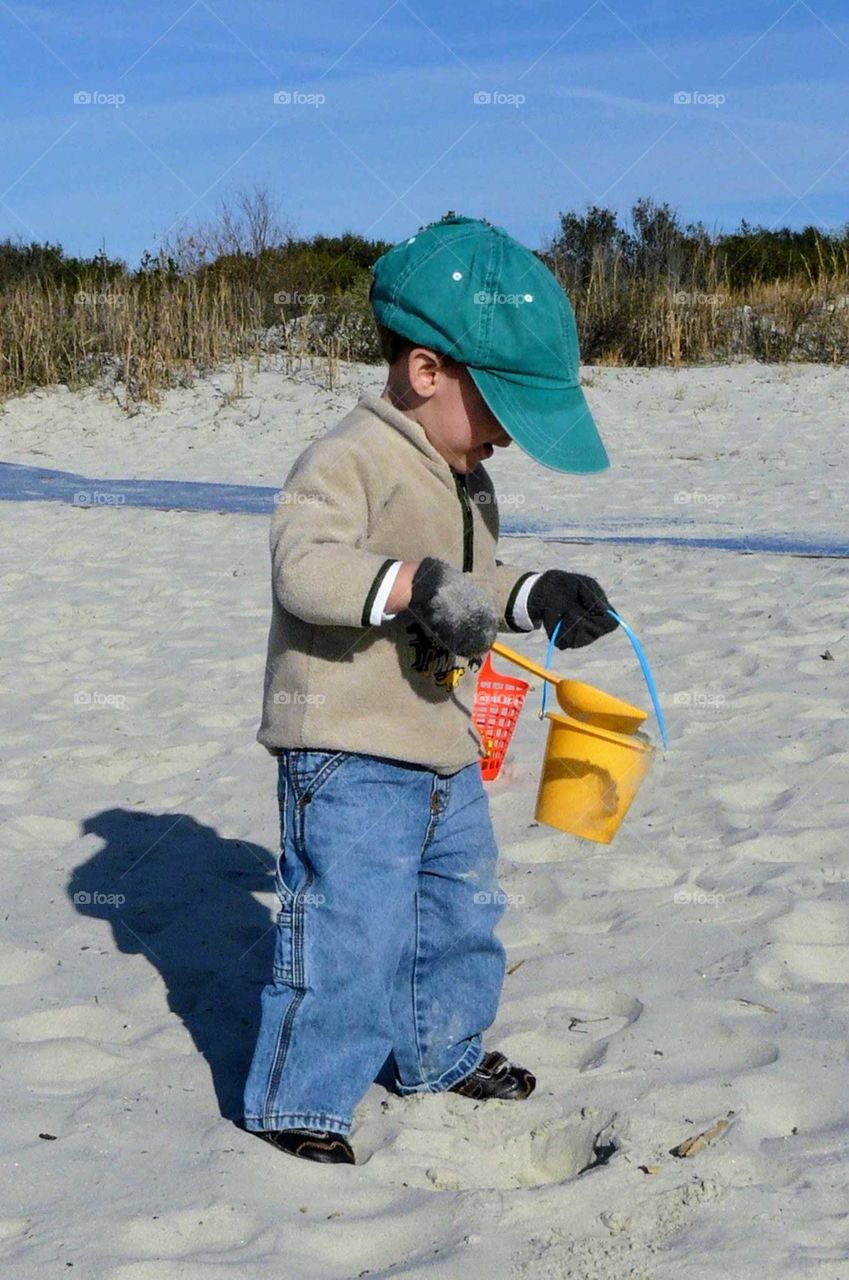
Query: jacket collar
column 411, row 430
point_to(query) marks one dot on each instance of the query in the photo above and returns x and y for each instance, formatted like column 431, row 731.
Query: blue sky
column 385, row 133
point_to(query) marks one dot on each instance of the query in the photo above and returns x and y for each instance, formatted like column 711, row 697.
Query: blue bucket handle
column 644, row 666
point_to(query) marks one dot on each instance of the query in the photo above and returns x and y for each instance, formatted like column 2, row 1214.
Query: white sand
column 696, row 967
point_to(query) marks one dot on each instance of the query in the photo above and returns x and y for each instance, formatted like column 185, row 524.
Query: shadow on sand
column 189, row 907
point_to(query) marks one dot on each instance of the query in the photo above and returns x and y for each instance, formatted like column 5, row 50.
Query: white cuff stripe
column 383, row 592
column 521, row 618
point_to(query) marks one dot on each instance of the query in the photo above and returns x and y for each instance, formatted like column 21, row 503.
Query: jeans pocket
column 288, row 962
column 311, row 769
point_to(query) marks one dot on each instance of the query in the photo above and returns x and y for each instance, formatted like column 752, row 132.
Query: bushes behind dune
column 653, row 291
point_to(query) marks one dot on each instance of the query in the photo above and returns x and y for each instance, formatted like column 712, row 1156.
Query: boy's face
column 442, row 396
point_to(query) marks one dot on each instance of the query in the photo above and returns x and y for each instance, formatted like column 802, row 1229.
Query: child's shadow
column 179, row 894
column 182, row 896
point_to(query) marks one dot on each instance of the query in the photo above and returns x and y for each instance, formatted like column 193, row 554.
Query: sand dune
column 695, row 968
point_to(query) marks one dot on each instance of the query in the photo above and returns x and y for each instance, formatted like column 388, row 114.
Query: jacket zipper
column 468, row 523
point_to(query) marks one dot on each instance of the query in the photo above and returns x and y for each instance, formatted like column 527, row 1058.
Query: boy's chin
column 471, row 459
column 481, row 454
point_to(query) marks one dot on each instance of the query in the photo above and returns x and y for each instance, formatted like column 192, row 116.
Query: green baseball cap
column 468, row 290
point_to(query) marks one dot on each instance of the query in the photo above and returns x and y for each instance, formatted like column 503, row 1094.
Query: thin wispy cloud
column 581, row 101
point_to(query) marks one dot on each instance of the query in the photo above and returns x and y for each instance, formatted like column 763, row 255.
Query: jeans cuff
column 298, row 1120
column 465, row 1067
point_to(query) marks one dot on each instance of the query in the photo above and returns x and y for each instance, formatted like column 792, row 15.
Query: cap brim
column 552, row 424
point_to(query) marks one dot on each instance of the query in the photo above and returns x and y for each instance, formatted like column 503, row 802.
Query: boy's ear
column 423, row 368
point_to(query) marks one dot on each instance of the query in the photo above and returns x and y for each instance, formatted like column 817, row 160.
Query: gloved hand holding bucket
column 595, row 758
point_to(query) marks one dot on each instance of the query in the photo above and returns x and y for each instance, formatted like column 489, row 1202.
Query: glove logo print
column 432, row 659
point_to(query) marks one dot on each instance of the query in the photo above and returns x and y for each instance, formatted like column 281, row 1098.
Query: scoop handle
column 535, row 669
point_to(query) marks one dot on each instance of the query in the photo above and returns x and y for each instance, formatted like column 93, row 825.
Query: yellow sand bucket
column 590, row 776
column 595, row 759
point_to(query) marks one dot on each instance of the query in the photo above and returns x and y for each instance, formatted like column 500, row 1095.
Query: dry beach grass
column 654, row 293
column 151, row 335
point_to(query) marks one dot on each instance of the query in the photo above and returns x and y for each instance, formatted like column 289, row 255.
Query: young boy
column 386, row 593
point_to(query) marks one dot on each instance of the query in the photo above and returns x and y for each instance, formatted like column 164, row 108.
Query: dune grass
column 652, row 293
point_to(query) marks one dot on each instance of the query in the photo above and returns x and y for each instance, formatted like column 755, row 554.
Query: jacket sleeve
column 511, row 591
column 320, row 571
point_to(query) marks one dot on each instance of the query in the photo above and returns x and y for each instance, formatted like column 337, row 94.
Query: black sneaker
column 495, row 1077
column 321, row 1145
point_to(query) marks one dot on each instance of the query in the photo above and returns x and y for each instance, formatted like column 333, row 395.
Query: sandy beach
column 695, row 970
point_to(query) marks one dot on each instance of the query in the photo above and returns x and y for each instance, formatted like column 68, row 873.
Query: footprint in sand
column 648, row 871
column 170, row 762
column 443, row 1143
column 48, row 833
column 80, row 1021
column 621, row 871
column 768, row 794
column 204, row 1229
column 821, row 920
column 542, row 849
column 12, row 1227
column 65, row 1065
column 568, row 1029
column 807, row 843
column 174, row 1269
column 775, row 1107
column 18, row 966
column 804, row 751
column 579, row 915
column 11, row 788
column 811, row 945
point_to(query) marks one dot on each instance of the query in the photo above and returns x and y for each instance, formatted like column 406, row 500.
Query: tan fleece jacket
column 370, row 492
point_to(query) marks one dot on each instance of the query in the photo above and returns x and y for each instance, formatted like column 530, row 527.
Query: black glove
column 451, row 606
column 574, row 600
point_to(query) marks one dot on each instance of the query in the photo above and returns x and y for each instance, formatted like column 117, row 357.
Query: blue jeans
column 384, row 941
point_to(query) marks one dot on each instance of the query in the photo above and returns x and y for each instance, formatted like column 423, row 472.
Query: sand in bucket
column 590, row 777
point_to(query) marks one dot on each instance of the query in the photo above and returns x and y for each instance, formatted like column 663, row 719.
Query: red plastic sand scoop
column 498, row 701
